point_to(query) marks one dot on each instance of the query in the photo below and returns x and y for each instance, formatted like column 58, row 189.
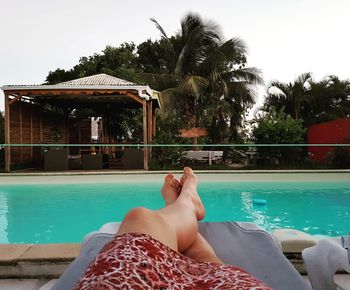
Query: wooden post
column 7, row 134
column 145, row 149
column 149, row 128
column 79, row 138
column 66, row 116
column 20, row 130
column 41, row 132
column 41, row 125
column 154, row 129
column 31, row 131
column 149, row 121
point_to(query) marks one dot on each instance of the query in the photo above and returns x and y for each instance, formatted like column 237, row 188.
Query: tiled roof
column 97, row 80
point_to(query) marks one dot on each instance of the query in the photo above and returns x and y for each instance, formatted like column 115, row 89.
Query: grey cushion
column 252, row 250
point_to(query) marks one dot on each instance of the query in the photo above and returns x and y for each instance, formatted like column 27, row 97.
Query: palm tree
column 207, row 73
column 293, row 97
column 311, row 101
column 330, row 99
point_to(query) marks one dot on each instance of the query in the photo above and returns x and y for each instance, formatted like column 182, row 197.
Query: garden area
column 207, row 87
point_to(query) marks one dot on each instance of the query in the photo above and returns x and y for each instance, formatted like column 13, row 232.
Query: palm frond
column 159, row 82
column 275, row 91
column 179, row 71
column 222, row 55
column 162, row 31
column 303, row 78
column 171, row 92
column 193, row 85
column 251, row 75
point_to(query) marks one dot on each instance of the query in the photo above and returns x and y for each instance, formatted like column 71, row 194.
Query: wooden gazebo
column 28, row 121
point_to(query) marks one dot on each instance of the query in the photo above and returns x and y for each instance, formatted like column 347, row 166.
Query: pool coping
column 51, row 260
column 36, row 260
column 131, row 172
column 157, row 176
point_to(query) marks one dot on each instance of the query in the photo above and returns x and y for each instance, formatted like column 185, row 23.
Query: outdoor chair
column 202, row 155
column 132, row 158
column 74, row 162
column 240, row 244
column 56, row 160
column 91, row 161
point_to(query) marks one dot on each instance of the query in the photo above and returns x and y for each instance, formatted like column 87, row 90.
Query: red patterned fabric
column 138, row 261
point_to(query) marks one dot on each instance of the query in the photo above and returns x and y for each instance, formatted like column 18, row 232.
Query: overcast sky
column 285, row 37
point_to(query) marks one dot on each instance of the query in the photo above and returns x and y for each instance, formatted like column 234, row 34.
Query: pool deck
column 68, row 177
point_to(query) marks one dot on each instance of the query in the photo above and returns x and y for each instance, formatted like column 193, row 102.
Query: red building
column 332, row 132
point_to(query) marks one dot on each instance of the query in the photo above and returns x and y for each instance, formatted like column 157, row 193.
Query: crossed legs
column 175, row 225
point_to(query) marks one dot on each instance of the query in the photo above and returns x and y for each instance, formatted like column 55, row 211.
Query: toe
column 176, row 184
column 169, row 177
column 182, row 179
column 188, row 171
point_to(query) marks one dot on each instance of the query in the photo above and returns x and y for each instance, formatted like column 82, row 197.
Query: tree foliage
column 277, row 127
column 310, row 101
column 209, row 83
column 116, row 61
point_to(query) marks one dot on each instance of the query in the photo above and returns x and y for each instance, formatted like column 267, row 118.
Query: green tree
column 330, row 100
column 116, row 61
column 156, row 56
column 207, row 74
column 311, row 101
column 293, row 97
column 277, row 127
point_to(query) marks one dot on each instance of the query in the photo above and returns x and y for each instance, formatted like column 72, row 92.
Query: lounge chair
column 240, row 244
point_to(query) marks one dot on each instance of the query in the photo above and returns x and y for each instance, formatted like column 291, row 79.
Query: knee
column 138, row 213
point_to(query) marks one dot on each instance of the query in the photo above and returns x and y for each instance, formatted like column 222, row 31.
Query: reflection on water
column 3, row 218
column 255, row 211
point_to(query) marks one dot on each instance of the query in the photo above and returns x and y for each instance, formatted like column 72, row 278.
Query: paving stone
column 51, row 251
column 10, row 252
column 21, row 284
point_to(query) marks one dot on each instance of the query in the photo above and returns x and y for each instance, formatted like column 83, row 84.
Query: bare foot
column 171, row 189
column 189, row 190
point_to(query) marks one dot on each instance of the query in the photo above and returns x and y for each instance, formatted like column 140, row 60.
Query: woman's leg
column 174, row 225
column 200, row 250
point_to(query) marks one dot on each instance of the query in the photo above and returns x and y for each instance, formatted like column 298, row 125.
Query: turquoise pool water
column 58, row 213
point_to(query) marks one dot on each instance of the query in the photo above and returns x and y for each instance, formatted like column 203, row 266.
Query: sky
column 285, row 38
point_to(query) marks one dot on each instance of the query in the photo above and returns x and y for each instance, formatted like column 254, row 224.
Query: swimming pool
column 65, row 209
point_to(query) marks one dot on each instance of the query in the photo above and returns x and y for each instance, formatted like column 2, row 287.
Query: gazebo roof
column 87, row 87
column 97, row 80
